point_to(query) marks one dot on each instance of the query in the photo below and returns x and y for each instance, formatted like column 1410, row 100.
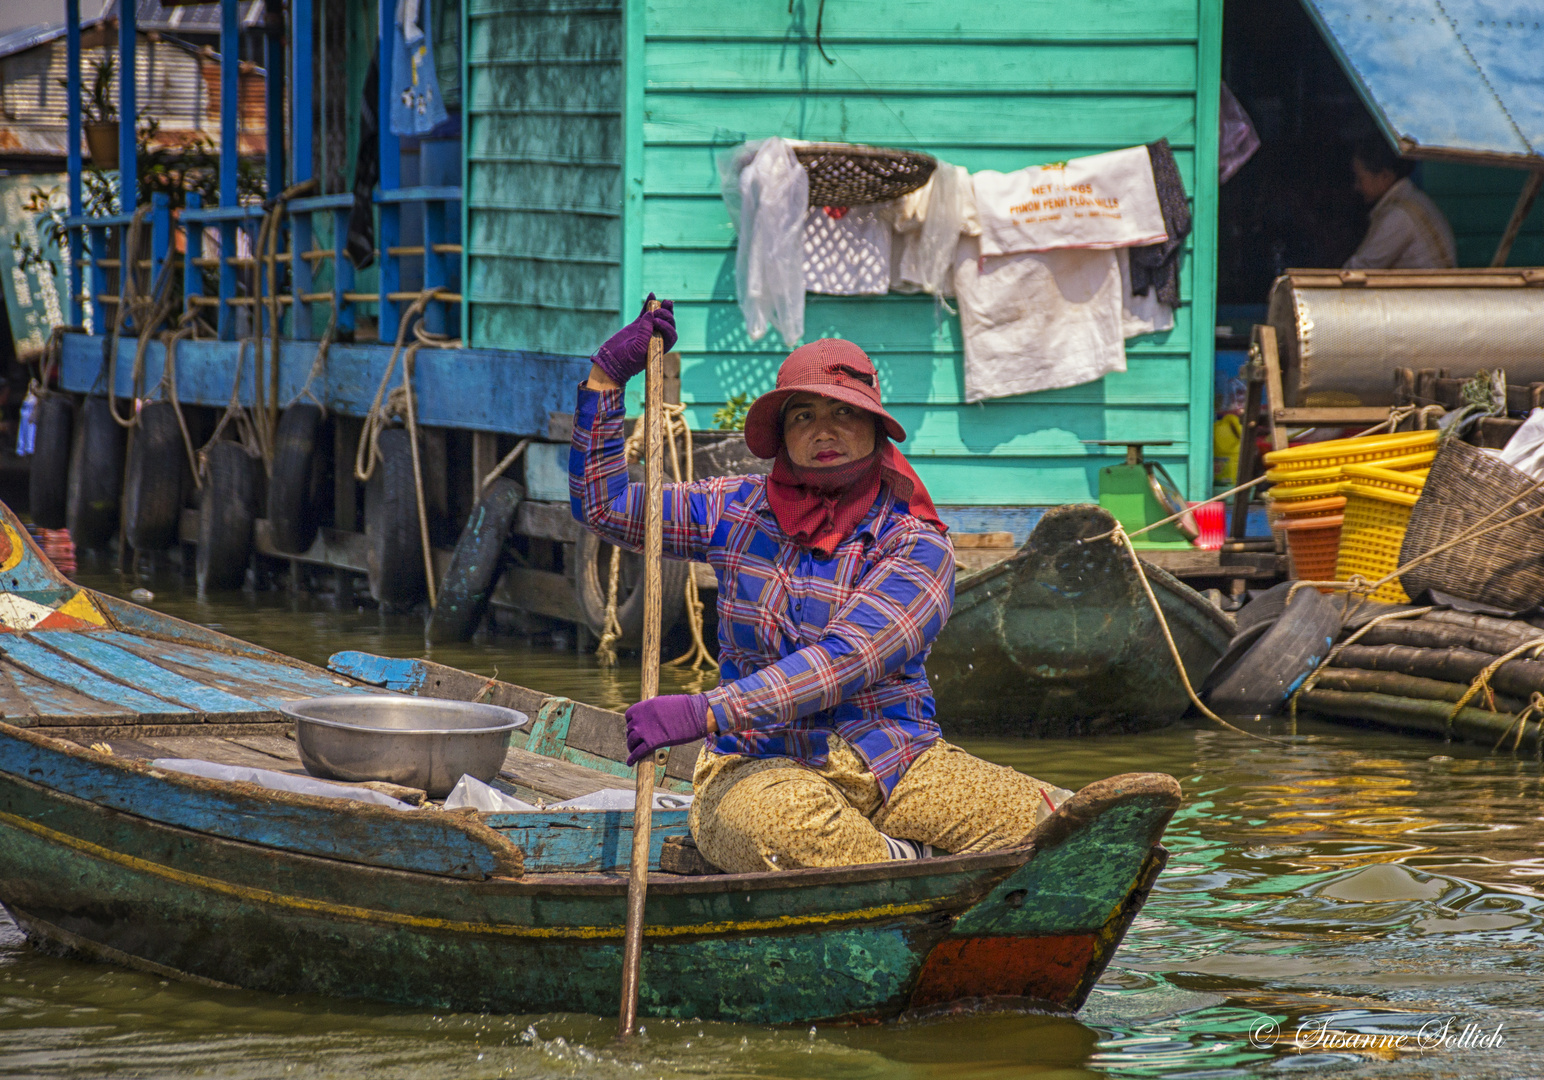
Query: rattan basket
column 1504, row 569
column 846, row 174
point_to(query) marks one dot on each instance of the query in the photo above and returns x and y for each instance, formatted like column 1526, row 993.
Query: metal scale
column 1139, row 492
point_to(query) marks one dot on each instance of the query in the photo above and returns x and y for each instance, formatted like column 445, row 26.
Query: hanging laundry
column 1038, row 320
column 1141, row 313
column 928, row 224
column 416, row 105
column 1156, row 266
column 1104, row 201
column 847, row 251
column 767, row 194
column 1237, row 140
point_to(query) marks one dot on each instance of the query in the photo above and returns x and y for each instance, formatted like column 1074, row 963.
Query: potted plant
column 100, row 115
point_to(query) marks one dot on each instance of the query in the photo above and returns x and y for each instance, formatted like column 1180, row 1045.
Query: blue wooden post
column 342, row 274
column 230, row 114
column 160, row 235
column 300, row 89
column 128, row 110
column 302, row 276
column 72, row 134
column 273, row 115
column 390, row 233
column 193, row 248
column 436, row 264
column 101, row 314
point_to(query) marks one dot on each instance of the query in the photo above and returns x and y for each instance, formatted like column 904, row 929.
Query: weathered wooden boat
column 1061, row 639
column 105, row 854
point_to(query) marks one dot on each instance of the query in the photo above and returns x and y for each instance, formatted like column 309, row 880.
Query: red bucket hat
column 830, row 367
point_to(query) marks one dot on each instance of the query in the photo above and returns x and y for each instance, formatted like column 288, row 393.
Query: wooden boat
column 1060, row 638
column 107, row 855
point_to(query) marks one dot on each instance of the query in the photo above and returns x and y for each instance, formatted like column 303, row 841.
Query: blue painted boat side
column 106, row 657
column 496, row 390
column 288, row 681
column 584, row 841
column 41, row 661
column 427, row 842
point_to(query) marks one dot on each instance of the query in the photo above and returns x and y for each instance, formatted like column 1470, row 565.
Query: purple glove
column 626, row 352
column 665, row 721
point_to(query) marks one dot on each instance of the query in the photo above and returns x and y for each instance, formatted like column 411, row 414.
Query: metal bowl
column 418, row 742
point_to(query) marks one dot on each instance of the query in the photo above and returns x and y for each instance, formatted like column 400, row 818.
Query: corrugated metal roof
column 1455, row 79
column 186, row 19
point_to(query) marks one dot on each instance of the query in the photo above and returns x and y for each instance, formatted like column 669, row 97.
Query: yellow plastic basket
column 1324, row 455
column 1374, row 476
column 1372, row 533
column 1282, row 497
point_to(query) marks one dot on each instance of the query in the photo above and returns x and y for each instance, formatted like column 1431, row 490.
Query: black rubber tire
column 152, row 489
column 48, row 487
column 592, row 575
column 96, row 475
column 396, row 562
column 1270, row 671
column 232, row 486
column 298, row 489
column 463, row 595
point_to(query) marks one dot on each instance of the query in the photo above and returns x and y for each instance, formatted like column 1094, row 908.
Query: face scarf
column 819, row 508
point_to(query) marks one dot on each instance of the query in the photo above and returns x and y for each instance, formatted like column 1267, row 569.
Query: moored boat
column 1060, row 638
column 109, row 852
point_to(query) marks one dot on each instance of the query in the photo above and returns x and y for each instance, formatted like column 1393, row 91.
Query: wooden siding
column 1478, row 203
column 543, row 173
column 985, row 84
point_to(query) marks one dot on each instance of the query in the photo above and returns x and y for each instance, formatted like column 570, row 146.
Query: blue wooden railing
column 435, row 202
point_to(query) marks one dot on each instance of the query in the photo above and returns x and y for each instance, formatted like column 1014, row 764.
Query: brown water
column 1359, row 883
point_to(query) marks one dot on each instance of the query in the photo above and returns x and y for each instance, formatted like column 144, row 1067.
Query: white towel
column 1102, row 201
column 1038, row 320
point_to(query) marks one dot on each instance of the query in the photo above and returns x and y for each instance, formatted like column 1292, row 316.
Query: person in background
column 835, row 574
column 1407, row 231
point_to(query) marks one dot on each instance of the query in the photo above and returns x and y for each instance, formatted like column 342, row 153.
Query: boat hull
column 846, row 944
column 1060, row 639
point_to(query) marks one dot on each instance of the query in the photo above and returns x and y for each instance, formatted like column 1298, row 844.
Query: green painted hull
column 1060, row 638
column 849, row 944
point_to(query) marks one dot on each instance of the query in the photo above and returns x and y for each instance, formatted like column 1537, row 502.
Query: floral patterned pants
column 753, row 814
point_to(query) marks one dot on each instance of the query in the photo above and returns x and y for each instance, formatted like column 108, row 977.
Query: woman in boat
column 835, row 575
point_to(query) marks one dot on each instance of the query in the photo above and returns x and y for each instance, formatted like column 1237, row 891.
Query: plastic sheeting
column 767, row 193
column 278, row 781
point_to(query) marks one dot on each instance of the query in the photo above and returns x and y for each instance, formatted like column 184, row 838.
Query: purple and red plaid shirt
column 806, row 646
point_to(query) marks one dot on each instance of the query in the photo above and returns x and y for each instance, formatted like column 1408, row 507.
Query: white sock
column 907, row 849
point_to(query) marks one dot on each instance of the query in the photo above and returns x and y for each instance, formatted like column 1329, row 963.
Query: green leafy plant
column 732, row 416
column 99, row 106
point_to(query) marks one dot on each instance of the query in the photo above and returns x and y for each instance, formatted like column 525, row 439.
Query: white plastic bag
column 278, row 781
column 470, row 791
column 1524, row 451
column 767, row 193
column 621, row 799
column 946, row 205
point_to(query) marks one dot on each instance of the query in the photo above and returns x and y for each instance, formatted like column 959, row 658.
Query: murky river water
column 1361, row 888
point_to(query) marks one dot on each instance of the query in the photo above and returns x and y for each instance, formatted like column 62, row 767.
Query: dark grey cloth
column 1157, row 265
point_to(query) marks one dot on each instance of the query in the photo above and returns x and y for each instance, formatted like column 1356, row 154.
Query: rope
column 169, row 387
column 1183, row 513
column 1163, row 625
column 147, row 310
column 498, row 470
column 1313, row 676
column 1482, row 682
column 697, row 655
column 401, row 402
column 1535, row 707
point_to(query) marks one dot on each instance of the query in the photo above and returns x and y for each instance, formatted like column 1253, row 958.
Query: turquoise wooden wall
column 560, row 239
column 543, row 144
column 1478, row 202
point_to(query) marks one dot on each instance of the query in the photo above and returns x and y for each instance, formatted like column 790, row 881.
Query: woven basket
column 844, row 174
column 1504, row 569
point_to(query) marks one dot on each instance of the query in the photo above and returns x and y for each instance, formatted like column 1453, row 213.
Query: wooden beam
column 1520, row 213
